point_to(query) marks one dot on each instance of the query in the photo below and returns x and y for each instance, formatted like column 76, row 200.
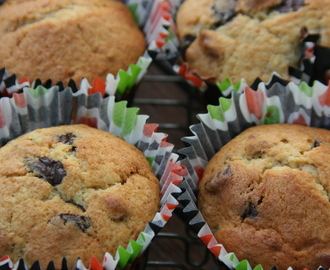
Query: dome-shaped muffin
column 265, row 196
column 72, row 191
column 249, row 39
column 68, row 39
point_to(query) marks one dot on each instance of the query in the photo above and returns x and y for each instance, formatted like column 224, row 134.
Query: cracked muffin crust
column 72, row 191
column 63, row 39
column 248, row 39
column 265, row 196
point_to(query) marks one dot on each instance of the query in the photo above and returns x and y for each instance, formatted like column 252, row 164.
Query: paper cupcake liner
column 154, row 19
column 314, row 65
column 290, row 103
column 42, row 107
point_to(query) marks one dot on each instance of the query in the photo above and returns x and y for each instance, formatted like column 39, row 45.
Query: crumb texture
column 265, row 195
column 72, row 191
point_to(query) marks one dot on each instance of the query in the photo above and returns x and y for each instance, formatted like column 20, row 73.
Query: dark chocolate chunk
column 316, row 143
column 76, row 204
column 260, row 200
column 82, row 222
column 67, row 138
column 227, row 170
column 250, row 212
column 186, row 41
column 224, row 11
column 289, row 5
column 50, row 170
column 189, row 38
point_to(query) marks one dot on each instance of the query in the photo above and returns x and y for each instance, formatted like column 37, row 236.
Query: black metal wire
column 189, row 244
column 167, row 265
column 191, row 91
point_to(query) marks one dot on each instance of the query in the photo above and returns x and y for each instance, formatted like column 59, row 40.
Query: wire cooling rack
column 169, row 100
column 173, row 103
column 178, row 248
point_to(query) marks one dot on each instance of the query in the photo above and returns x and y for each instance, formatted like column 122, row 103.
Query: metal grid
column 176, row 246
column 185, row 250
column 169, row 100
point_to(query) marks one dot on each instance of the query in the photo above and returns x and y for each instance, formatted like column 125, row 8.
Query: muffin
column 248, row 39
column 265, row 196
column 72, row 191
column 68, row 39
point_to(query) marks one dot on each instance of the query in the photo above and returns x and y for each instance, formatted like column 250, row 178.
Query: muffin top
column 72, row 191
column 249, row 39
column 265, row 196
column 211, row 14
column 68, row 39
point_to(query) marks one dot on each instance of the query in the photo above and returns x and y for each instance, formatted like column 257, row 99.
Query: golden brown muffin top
column 265, row 195
column 72, row 191
column 63, row 39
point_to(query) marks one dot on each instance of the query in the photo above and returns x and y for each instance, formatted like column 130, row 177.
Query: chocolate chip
column 67, row 138
column 82, row 222
column 316, row 143
column 186, row 41
column 189, row 38
column 227, row 170
column 76, row 204
column 50, row 170
column 250, row 212
column 216, row 181
column 289, row 5
column 224, row 11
